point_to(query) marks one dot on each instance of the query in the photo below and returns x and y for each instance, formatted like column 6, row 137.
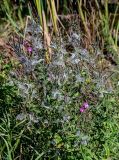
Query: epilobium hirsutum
column 84, row 107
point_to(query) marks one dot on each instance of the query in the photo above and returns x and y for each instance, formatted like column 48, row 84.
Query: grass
column 43, row 90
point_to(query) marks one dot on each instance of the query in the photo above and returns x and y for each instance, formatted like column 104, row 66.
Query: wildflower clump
column 56, row 94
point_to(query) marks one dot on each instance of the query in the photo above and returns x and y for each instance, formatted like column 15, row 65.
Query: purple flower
column 84, row 106
column 82, row 109
column 29, row 49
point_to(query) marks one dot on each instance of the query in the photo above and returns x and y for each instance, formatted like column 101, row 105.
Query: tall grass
column 48, row 13
column 108, row 28
column 12, row 13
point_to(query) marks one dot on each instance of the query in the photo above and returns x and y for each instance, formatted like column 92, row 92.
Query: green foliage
column 46, row 126
column 50, row 138
column 40, row 114
column 8, row 96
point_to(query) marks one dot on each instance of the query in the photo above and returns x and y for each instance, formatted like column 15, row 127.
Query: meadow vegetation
column 59, row 81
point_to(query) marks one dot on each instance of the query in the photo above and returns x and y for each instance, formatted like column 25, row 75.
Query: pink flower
column 29, row 49
column 82, row 109
column 85, row 105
